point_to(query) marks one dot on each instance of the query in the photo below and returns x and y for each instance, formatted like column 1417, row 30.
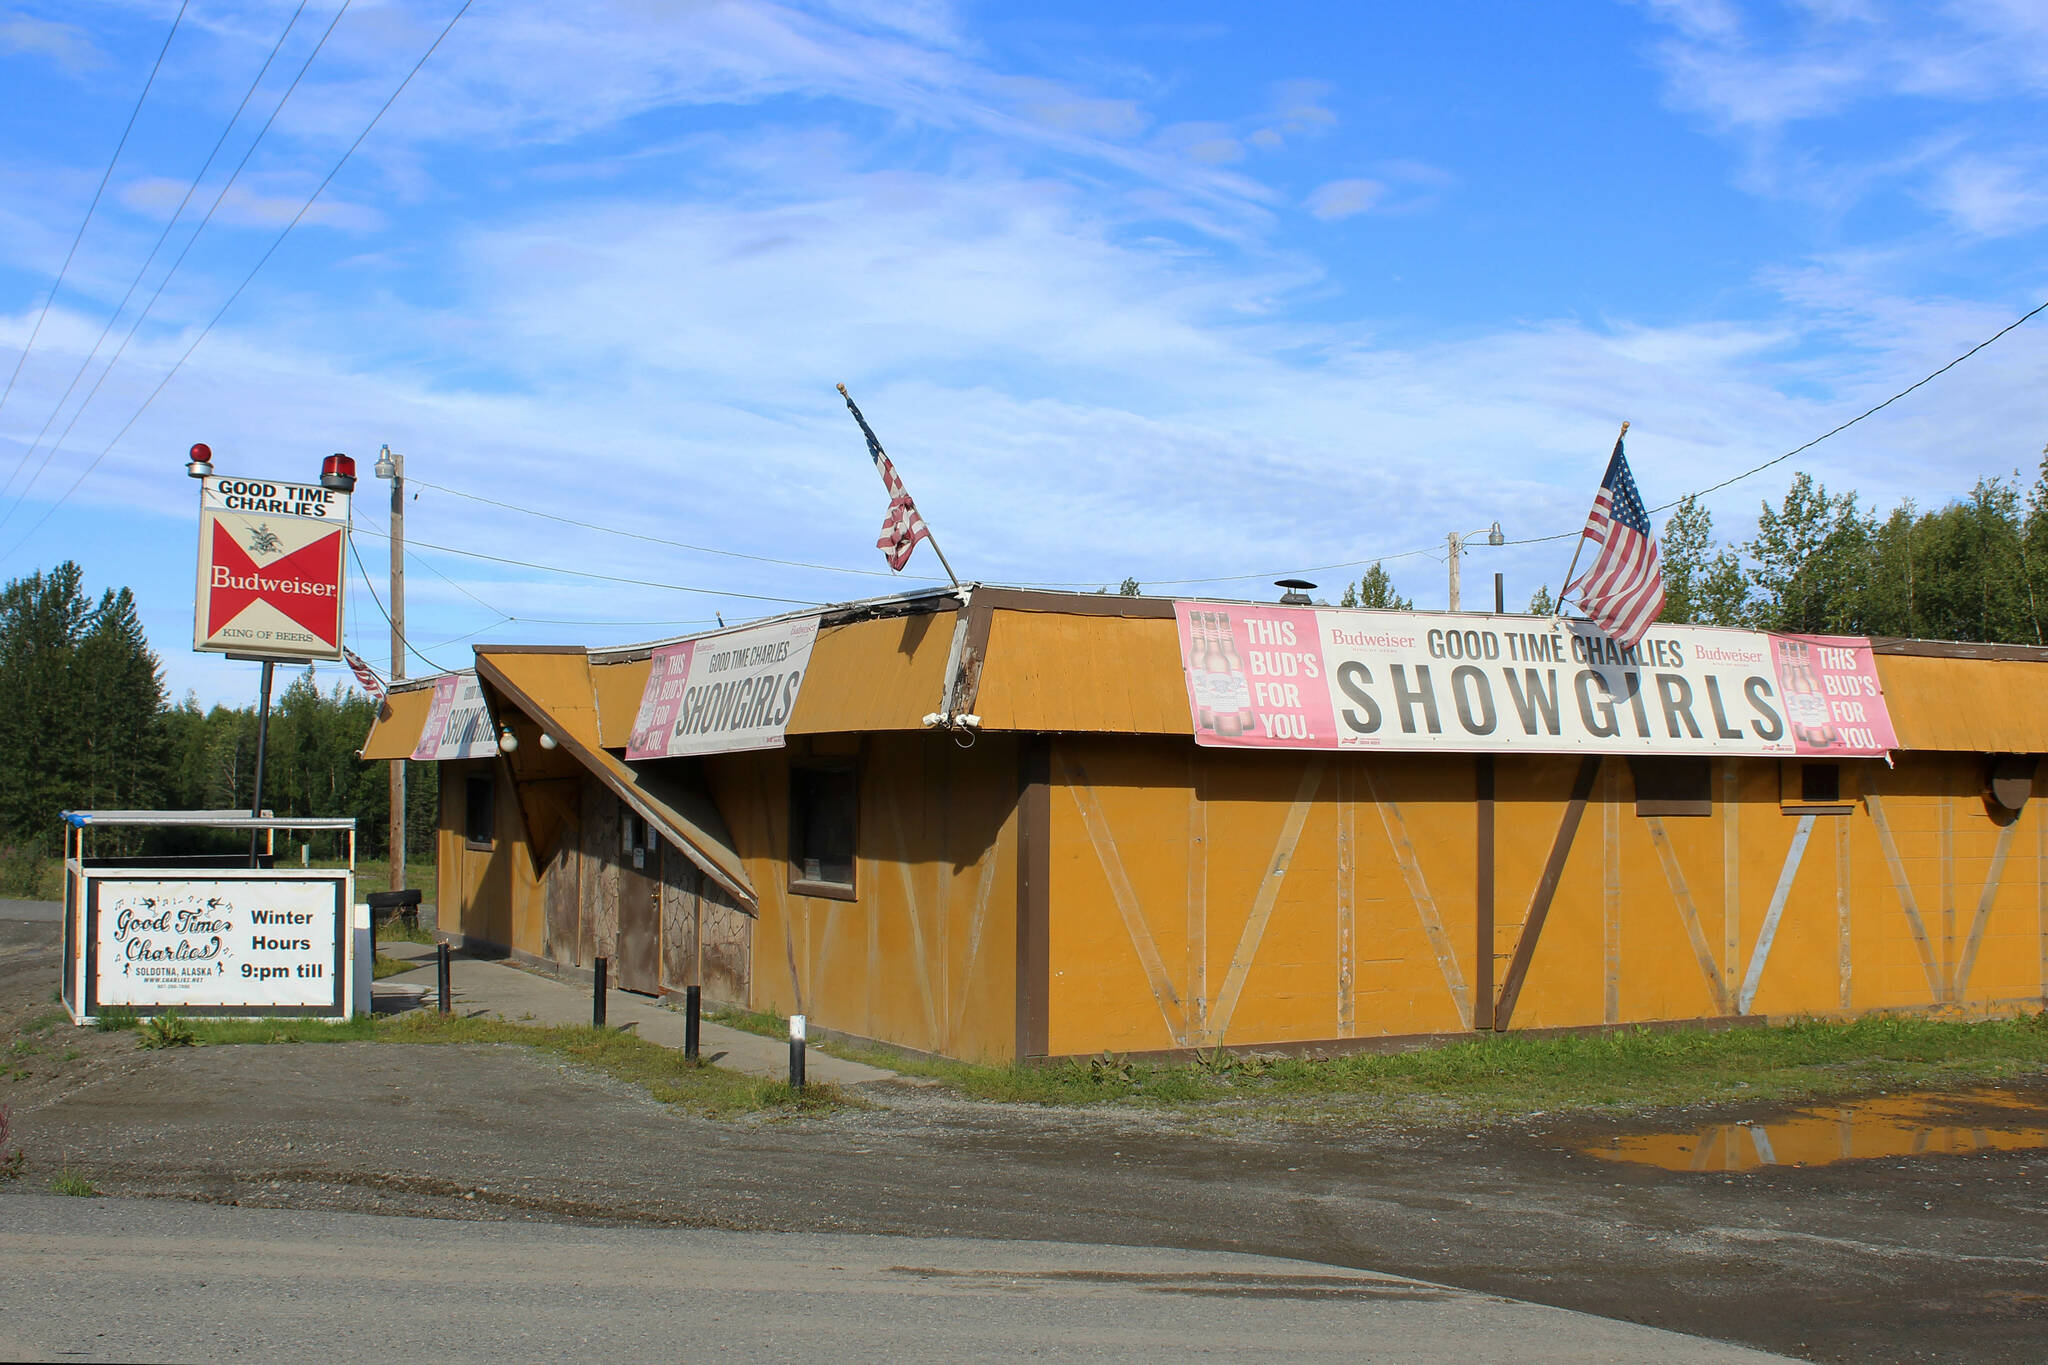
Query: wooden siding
column 1208, row 896
column 1110, row 674
column 396, row 731
column 1984, row 705
column 923, row 956
column 875, row 675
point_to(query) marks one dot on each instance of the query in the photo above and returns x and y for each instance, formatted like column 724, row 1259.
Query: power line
column 658, row 540
column 2014, row 325
column 164, row 283
column 105, row 176
column 260, row 263
column 150, row 260
column 602, row 577
column 357, row 555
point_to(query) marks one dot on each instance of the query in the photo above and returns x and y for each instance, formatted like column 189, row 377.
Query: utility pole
column 1494, row 536
column 391, row 465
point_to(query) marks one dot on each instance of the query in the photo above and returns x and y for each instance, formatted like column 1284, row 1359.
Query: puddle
column 1886, row 1126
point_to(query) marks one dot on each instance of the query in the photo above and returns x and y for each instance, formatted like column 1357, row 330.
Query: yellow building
column 1069, row 871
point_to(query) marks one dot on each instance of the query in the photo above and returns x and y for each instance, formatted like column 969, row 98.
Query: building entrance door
column 639, row 966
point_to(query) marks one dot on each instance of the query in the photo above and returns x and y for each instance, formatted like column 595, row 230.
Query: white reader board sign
column 218, row 942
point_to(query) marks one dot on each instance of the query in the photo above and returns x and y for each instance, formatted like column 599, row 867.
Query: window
column 634, row 839
column 1814, row 789
column 478, row 819
column 822, row 802
column 1673, row 786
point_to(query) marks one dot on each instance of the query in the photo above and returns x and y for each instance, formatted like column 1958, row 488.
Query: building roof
column 1087, row 663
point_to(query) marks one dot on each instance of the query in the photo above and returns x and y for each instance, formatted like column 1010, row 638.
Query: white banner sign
column 271, row 566
column 1323, row 678
column 723, row 693
column 458, row 723
column 214, row 943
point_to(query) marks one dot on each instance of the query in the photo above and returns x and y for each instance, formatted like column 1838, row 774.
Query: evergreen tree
column 1702, row 585
column 1810, row 562
column 1375, row 590
column 42, row 619
column 1541, row 603
column 117, row 687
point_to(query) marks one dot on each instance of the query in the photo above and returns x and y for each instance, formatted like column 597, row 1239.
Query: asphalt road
column 118, row 1279
column 1931, row 1256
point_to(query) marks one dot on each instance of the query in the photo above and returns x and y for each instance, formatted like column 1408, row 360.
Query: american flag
column 1624, row 589
column 902, row 527
column 368, row 679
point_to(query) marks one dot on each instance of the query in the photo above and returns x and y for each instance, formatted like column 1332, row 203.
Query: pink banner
column 1255, row 676
column 437, row 718
column 1832, row 700
column 668, row 674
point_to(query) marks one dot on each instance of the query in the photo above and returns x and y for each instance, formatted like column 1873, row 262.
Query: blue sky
column 1176, row 291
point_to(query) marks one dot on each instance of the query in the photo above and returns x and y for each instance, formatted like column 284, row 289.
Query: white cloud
column 248, row 206
column 1990, row 198
column 1345, row 198
column 62, row 44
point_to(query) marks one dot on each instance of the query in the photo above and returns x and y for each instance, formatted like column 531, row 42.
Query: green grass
column 115, row 1019
column 71, row 1182
column 695, row 1087
column 390, row 966
column 372, row 874
column 1502, row 1077
column 398, row 931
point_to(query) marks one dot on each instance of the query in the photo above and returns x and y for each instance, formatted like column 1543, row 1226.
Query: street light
column 1494, row 536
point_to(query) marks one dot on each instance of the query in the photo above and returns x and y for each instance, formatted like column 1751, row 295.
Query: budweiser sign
column 270, row 568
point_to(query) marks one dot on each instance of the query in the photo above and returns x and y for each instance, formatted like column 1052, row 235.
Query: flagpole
column 869, row 432
column 1578, row 549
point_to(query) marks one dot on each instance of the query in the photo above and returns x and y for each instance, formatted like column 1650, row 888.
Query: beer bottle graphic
column 1198, row 670
column 1233, row 697
column 1239, row 687
column 1806, row 706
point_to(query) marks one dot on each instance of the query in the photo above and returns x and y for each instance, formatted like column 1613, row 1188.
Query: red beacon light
column 338, row 472
column 199, row 463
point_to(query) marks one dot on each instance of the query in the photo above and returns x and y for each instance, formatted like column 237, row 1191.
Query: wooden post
column 397, row 661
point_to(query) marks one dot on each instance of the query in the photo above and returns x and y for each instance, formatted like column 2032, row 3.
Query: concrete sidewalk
column 520, row 996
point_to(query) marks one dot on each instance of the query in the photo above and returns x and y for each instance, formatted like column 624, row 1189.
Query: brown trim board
column 1482, row 868
column 1034, row 893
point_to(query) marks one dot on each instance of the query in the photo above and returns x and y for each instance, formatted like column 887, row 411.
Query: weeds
column 396, row 930
column 115, row 1019
column 168, row 1029
column 10, row 1162
column 1502, row 1076
column 697, row 1087
column 71, row 1182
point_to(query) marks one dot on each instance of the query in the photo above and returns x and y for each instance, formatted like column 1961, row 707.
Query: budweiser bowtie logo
column 301, row 585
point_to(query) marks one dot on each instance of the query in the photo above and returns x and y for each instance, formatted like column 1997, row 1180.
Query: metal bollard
column 693, row 1008
column 796, row 1052
column 597, row 988
column 445, row 989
